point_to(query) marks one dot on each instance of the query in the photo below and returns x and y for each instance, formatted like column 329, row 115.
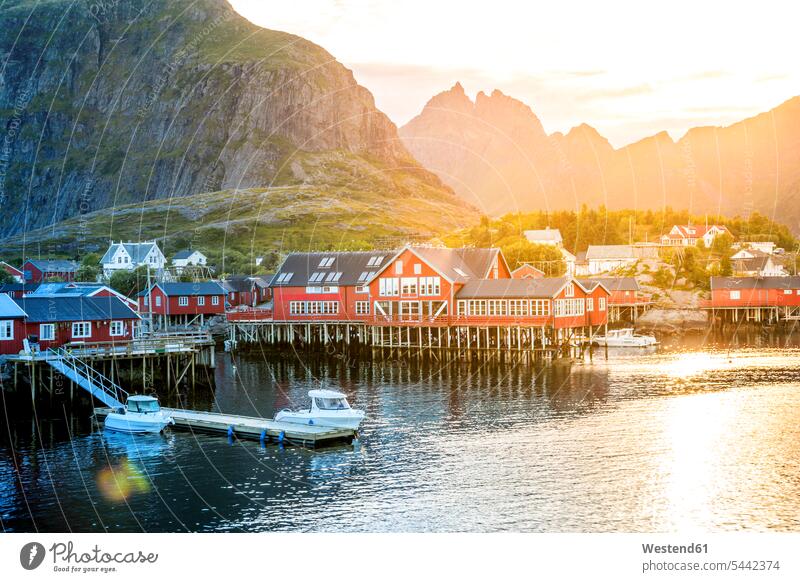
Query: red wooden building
column 182, row 303
column 527, row 271
column 246, row 290
column 38, row 271
column 12, row 325
column 326, row 286
column 755, row 298
column 627, row 301
column 17, row 290
column 52, row 321
column 423, row 282
column 18, row 275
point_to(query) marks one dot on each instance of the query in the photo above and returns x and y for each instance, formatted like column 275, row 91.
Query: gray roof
column 193, row 288
column 75, row 289
column 547, row 234
column 756, row 263
column 459, row 265
column 614, row 283
column 610, row 252
column 544, row 287
column 353, row 266
column 755, row 283
column 69, row 308
column 137, row 251
column 185, row 254
column 238, row 283
column 54, row 265
column 9, row 307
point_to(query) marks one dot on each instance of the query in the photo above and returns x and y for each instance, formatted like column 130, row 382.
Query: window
column 602, row 304
column 497, row 307
column 81, row 329
column 313, row 307
column 363, row 276
column 540, row 307
column 375, row 261
column 570, row 290
column 787, row 291
column 119, row 260
column 430, row 285
column 146, row 300
column 183, row 301
column 389, row 287
column 316, row 277
column 517, row 307
column 333, row 277
column 477, row 307
column 571, row 307
column 117, row 328
column 326, row 262
column 398, row 268
column 201, row 301
column 47, row 332
column 736, row 294
column 284, row 277
column 215, row 300
column 362, row 307
column 408, row 286
column 461, row 308
column 6, row 330
column 417, row 269
column 362, row 289
column 409, row 310
column 158, row 300
column 589, row 304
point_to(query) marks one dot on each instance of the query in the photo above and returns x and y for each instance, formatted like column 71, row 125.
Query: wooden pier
column 252, row 428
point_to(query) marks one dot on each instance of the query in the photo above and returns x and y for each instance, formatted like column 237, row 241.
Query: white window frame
column 158, row 300
column 735, row 294
column 201, row 300
column 589, row 304
column 50, row 335
column 602, row 304
column 7, row 329
column 398, row 268
column 362, row 307
column 417, row 269
column 120, row 325
column 215, row 300
column 77, row 325
column 183, row 301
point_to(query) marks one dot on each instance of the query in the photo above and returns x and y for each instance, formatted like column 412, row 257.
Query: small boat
column 142, row 414
column 624, row 338
column 328, row 408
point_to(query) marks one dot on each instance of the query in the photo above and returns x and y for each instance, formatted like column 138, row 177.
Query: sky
column 628, row 68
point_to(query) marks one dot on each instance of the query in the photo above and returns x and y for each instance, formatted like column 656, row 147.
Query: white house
column 188, row 258
column 605, row 258
column 687, row 236
column 552, row 237
column 127, row 256
column 547, row 236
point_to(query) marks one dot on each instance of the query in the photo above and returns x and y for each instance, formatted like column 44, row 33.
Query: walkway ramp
column 87, row 377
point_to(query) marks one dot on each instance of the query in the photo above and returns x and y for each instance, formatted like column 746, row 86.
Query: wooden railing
column 252, row 314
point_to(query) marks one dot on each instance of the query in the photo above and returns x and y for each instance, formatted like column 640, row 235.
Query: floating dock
column 252, row 427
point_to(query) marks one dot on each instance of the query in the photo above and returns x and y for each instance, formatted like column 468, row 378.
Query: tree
column 129, row 282
column 547, row 258
column 6, row 277
column 89, row 269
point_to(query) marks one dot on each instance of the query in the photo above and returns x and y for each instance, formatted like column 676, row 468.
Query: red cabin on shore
column 38, row 271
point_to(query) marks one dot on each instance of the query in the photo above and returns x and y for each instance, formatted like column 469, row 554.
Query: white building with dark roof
column 128, row 256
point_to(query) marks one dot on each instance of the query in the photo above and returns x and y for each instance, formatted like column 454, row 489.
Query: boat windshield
column 332, row 403
column 143, row 406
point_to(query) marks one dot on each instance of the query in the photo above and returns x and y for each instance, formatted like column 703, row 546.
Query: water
column 678, row 439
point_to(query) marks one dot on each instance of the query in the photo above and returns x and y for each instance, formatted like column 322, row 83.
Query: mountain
column 496, row 155
column 108, row 104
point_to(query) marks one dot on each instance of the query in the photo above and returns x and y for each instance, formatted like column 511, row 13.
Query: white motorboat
column 142, row 414
column 328, row 408
column 624, row 338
